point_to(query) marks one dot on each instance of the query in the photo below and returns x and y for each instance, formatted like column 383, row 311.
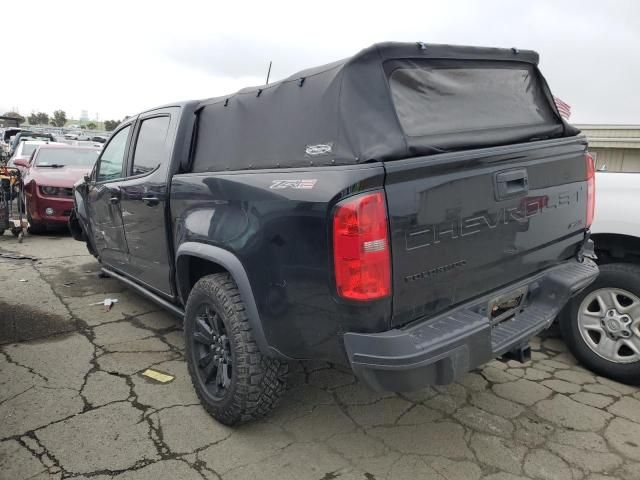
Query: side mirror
column 87, row 178
column 21, row 162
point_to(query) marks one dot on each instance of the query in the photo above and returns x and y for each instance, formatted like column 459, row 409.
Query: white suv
column 602, row 324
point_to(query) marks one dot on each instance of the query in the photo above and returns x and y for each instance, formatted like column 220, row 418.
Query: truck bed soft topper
column 389, row 101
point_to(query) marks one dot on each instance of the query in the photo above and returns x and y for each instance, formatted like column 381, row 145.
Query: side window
column 151, row 145
column 112, row 158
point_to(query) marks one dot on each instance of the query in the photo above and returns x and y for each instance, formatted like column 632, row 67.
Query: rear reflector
column 361, row 247
column 591, row 188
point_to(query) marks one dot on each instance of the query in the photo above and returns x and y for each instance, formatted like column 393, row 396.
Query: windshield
column 27, row 149
column 66, row 157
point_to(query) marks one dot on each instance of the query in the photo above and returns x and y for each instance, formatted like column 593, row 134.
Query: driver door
column 103, row 200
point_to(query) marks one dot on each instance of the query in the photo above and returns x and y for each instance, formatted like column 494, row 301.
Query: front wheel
column 35, row 228
column 601, row 325
column 233, row 380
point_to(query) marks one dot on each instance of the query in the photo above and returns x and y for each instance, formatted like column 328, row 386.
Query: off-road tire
column 257, row 381
column 625, row 276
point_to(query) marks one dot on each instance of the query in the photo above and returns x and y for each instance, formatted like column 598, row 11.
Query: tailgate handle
column 511, row 183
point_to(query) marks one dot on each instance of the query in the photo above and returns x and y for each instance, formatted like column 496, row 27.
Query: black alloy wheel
column 212, row 352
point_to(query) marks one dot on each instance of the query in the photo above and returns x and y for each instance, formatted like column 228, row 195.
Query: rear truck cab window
column 430, row 215
column 467, row 97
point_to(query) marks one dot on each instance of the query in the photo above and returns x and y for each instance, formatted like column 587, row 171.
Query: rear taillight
column 361, row 247
column 591, row 188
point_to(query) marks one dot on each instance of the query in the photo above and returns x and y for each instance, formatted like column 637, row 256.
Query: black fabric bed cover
column 389, row 101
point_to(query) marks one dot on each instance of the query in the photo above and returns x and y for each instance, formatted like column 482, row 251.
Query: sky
column 116, row 58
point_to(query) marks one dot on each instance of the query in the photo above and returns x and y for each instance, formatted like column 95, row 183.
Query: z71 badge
column 299, row 184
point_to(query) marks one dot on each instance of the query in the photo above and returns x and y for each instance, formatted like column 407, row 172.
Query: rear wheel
column 233, row 380
column 601, row 325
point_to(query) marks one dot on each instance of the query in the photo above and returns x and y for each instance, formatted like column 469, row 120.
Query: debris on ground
column 23, row 280
column 158, row 376
column 16, row 256
column 107, row 303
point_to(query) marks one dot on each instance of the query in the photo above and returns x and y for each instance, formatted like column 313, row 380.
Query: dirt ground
column 73, row 401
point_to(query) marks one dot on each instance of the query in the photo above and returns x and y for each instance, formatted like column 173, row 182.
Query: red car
column 48, row 182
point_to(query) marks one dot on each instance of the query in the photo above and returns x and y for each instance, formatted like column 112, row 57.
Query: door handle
column 114, row 196
column 151, row 200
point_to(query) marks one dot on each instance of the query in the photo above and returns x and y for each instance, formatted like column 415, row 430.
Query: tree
column 59, row 118
column 111, row 124
column 15, row 115
column 91, row 126
column 39, row 118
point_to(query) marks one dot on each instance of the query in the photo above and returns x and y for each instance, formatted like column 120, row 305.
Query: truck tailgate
column 467, row 223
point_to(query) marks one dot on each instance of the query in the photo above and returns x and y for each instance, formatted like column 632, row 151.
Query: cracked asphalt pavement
column 74, row 404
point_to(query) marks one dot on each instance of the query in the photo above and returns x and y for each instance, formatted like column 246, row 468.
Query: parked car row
column 26, row 135
column 48, row 170
column 85, row 137
column 11, row 137
column 6, row 136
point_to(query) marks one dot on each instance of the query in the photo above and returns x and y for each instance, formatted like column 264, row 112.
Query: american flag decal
column 563, row 107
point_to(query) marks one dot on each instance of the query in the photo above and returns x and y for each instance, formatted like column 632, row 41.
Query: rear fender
column 232, row 264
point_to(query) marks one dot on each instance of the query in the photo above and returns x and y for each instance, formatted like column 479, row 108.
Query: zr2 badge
column 298, row 184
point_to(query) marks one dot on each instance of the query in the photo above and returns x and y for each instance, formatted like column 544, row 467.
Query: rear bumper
column 441, row 349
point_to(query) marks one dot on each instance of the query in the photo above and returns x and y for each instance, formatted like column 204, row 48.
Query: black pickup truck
column 412, row 212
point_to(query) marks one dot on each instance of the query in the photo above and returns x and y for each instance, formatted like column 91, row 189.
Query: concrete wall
column 616, row 147
column 617, row 159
